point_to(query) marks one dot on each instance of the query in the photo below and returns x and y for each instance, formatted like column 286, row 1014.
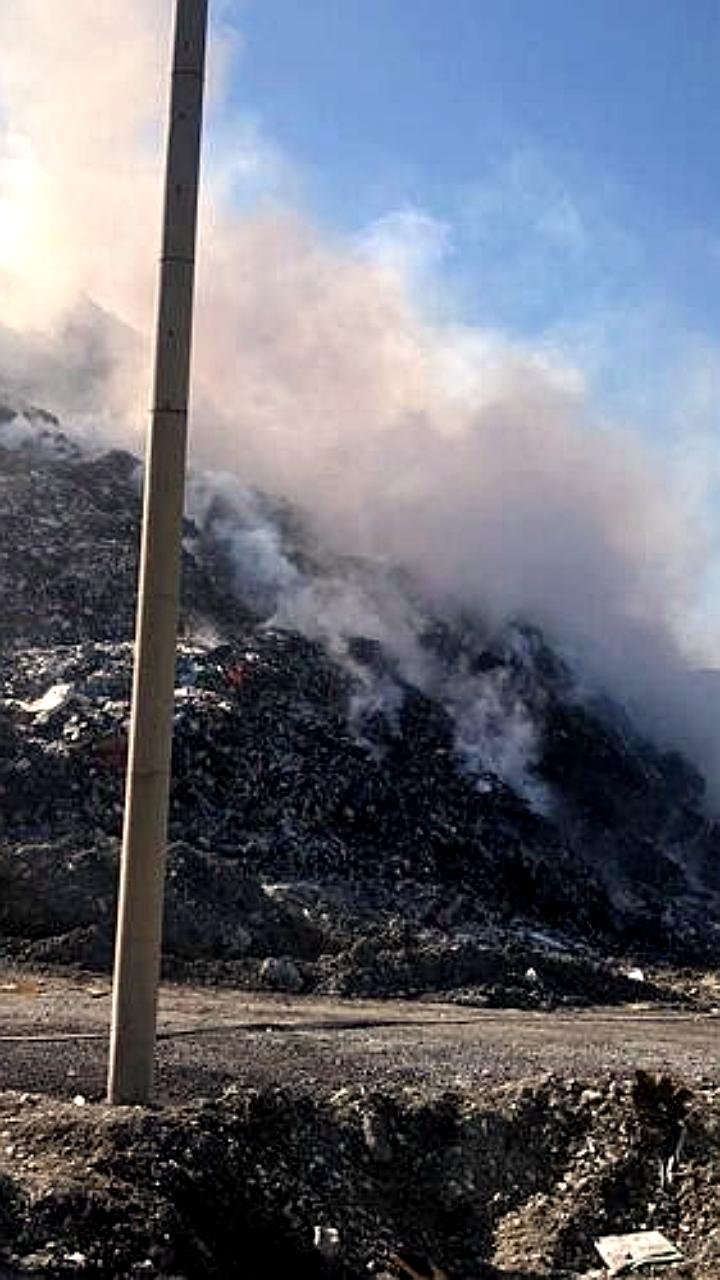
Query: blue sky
column 551, row 165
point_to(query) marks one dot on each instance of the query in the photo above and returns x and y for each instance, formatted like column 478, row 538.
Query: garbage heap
column 288, row 765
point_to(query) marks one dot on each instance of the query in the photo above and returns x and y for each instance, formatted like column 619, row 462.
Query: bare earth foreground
column 54, row 1030
column 331, row 1138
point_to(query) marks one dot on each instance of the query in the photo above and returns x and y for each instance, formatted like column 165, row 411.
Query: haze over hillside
column 332, row 724
column 476, row 462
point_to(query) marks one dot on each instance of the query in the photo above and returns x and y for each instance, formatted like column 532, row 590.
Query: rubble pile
column 224, row 926
column 313, row 757
column 69, row 522
column 267, row 768
column 516, row 1184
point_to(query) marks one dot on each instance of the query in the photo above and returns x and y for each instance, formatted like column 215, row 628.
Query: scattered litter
column 49, row 701
column 327, row 1241
column 79, row 1100
column 623, row 1255
column 635, row 975
column 531, row 975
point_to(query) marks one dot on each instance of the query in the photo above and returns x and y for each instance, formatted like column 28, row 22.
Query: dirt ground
column 54, row 1031
column 332, row 1138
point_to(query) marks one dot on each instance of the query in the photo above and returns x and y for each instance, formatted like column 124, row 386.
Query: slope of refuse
column 355, row 775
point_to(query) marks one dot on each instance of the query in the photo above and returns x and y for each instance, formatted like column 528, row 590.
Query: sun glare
column 9, row 235
column 18, row 177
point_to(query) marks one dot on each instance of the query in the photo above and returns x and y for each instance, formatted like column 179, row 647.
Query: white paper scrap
column 623, row 1255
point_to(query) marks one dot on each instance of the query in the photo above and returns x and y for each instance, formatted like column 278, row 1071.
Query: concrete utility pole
column 142, row 877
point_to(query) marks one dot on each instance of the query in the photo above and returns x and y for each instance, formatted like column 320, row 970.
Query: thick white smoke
column 476, row 463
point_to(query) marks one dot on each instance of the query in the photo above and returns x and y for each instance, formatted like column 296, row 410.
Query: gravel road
column 54, row 1030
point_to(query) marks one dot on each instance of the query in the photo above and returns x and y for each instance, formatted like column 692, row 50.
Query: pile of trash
column 69, row 538
column 458, row 769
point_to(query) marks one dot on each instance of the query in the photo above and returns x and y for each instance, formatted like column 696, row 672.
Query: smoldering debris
column 373, row 743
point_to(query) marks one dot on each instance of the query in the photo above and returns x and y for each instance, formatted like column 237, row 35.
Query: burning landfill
column 369, row 797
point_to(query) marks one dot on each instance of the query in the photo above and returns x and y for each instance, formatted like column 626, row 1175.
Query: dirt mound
column 515, row 1183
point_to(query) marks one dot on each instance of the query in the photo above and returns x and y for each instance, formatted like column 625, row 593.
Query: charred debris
column 334, row 802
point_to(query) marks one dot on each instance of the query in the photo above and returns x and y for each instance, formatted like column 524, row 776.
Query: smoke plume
column 473, row 461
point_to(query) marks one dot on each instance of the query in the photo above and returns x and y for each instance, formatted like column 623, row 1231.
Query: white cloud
column 409, row 242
